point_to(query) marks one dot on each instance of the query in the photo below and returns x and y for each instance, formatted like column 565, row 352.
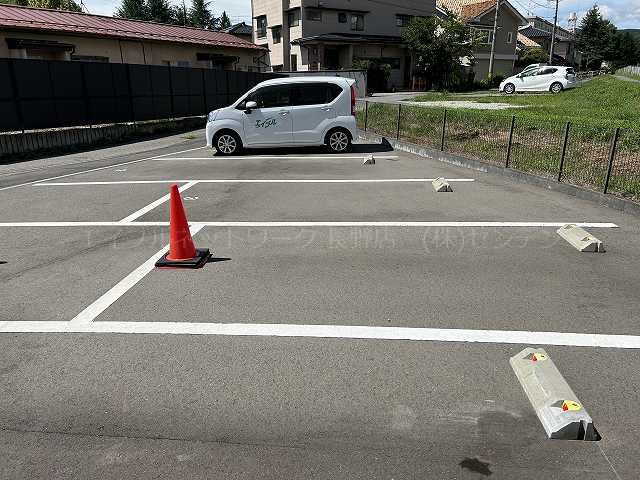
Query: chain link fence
column 599, row 158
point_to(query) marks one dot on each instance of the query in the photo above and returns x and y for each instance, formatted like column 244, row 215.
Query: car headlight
column 212, row 116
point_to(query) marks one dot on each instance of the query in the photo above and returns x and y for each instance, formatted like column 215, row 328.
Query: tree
column 69, row 5
column 438, row 45
column 133, row 9
column 531, row 55
column 627, row 49
column 180, row 15
column 224, row 21
column 200, row 16
column 159, row 11
column 596, row 39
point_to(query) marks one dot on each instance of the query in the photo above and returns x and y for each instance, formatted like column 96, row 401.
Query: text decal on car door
column 266, row 123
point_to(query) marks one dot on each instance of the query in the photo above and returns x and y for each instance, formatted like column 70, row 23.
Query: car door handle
column 326, row 109
column 284, row 114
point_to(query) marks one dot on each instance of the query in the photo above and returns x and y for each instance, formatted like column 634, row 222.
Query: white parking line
column 84, row 325
column 152, row 205
column 284, row 157
column 244, row 180
column 98, row 168
column 318, row 224
column 122, row 287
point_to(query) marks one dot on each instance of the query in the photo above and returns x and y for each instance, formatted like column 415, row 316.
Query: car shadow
column 356, row 148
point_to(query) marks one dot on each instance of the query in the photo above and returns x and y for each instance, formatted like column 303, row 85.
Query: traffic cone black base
column 202, row 255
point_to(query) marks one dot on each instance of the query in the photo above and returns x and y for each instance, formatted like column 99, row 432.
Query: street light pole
column 493, row 40
column 553, row 35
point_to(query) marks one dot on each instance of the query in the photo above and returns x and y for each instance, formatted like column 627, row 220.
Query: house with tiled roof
column 539, row 31
column 37, row 33
column 240, row 30
column 312, row 35
column 479, row 16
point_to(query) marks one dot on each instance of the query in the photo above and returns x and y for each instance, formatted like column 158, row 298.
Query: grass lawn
column 594, row 111
column 604, row 101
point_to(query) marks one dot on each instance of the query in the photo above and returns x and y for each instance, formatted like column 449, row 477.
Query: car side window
column 547, row 71
column 271, row 97
column 315, row 93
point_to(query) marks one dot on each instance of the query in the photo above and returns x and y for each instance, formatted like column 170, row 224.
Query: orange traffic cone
column 182, row 253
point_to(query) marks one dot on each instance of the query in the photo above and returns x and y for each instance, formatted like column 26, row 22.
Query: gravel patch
column 465, row 104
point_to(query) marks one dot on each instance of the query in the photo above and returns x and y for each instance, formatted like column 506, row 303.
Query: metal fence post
column 16, row 94
column 85, row 96
column 130, row 92
column 398, row 126
column 204, row 93
column 53, row 95
column 171, row 102
column 612, row 154
column 564, row 150
column 444, row 129
column 513, row 124
column 366, row 114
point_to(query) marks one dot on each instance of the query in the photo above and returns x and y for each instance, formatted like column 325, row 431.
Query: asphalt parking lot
column 352, row 323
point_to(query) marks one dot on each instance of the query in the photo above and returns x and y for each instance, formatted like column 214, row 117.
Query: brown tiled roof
column 526, row 41
column 40, row 19
column 466, row 9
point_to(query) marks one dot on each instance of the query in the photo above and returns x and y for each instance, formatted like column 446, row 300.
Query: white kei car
column 287, row 112
column 546, row 78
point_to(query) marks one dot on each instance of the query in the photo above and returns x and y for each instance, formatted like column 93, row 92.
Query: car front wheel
column 338, row 141
column 509, row 88
column 556, row 87
column 227, row 143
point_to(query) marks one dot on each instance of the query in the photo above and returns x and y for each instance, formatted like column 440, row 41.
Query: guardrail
column 595, row 157
column 630, row 70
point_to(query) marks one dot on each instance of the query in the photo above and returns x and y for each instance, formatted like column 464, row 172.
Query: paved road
column 171, row 405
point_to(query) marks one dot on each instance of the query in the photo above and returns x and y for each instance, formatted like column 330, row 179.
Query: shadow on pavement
column 356, row 148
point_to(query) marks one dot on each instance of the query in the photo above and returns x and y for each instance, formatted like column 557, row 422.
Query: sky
column 623, row 13
column 238, row 10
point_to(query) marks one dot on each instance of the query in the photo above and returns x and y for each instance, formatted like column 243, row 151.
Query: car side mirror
column 250, row 106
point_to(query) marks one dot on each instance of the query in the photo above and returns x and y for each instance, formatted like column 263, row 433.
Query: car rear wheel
column 556, row 87
column 227, row 142
column 509, row 88
column 338, row 140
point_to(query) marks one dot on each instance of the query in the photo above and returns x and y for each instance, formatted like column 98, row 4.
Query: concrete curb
column 580, row 239
column 605, row 200
column 17, row 146
column 562, row 415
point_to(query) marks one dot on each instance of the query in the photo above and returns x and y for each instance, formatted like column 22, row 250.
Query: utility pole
column 553, row 34
column 493, row 40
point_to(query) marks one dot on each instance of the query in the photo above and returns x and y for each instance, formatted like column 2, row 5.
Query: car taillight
column 353, row 101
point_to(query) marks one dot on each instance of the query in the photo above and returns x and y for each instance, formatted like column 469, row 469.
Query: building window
column 482, row 36
column 90, row 58
column 293, row 18
column 276, row 34
column 509, row 37
column 294, row 63
column 403, row 20
column 314, row 14
column 357, row 21
column 261, row 26
column 342, row 17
